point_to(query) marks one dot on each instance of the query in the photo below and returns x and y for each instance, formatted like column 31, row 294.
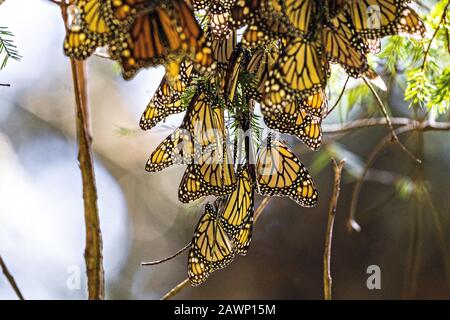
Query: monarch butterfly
column 237, row 61
column 299, row 13
column 177, row 148
column 294, row 120
column 121, row 13
column 223, row 48
column 301, row 70
column 204, row 121
column 199, row 4
column 311, row 134
column 219, row 15
column 378, row 18
column 244, row 11
column 334, row 7
column 211, row 249
column 259, row 66
column 237, row 215
column 88, row 31
column 343, row 23
column 165, row 102
column 289, row 119
column 280, row 173
column 164, row 32
column 179, row 74
column 168, row 97
column 263, row 31
column 338, row 49
column 316, row 104
column 212, row 174
column 244, row 237
column 204, row 4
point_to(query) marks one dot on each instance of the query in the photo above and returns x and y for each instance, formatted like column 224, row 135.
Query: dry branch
column 11, row 279
column 327, row 279
column 383, row 109
column 93, row 251
column 413, row 126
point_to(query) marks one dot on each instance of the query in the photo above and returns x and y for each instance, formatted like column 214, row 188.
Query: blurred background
column 403, row 209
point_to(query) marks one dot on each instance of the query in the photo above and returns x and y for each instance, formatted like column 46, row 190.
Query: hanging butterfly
column 300, row 70
column 219, row 15
column 179, row 74
column 223, row 48
column 289, row 119
column 211, row 174
column 165, row 102
column 294, row 120
column 338, row 49
column 160, row 35
column 204, row 120
column 315, row 104
column 243, row 12
column 237, row 214
column 300, row 13
column 88, row 30
column 177, row 148
column 280, row 173
column 261, row 61
column 374, row 19
column 237, row 62
column 211, row 249
column 264, row 31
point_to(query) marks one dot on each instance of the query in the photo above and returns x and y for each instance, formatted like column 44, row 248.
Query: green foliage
column 428, row 78
column 7, row 47
column 419, row 87
column 440, row 97
column 187, row 95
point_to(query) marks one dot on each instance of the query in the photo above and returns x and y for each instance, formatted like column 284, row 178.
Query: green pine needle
column 7, row 48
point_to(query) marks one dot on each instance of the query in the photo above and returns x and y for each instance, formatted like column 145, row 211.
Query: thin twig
column 175, row 290
column 327, row 279
column 185, row 283
column 363, row 123
column 152, row 263
column 261, row 208
column 93, row 251
column 339, row 98
column 10, row 279
column 383, row 109
column 423, row 126
column 372, row 122
column 427, row 50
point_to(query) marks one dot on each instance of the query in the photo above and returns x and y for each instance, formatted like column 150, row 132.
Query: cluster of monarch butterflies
column 280, row 61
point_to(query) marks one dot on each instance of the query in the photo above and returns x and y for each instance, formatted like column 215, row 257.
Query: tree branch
column 93, row 251
column 413, row 126
column 372, row 122
column 383, row 109
column 10, row 279
column 327, row 279
column 339, row 97
column 175, row 290
column 427, row 50
column 176, row 254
